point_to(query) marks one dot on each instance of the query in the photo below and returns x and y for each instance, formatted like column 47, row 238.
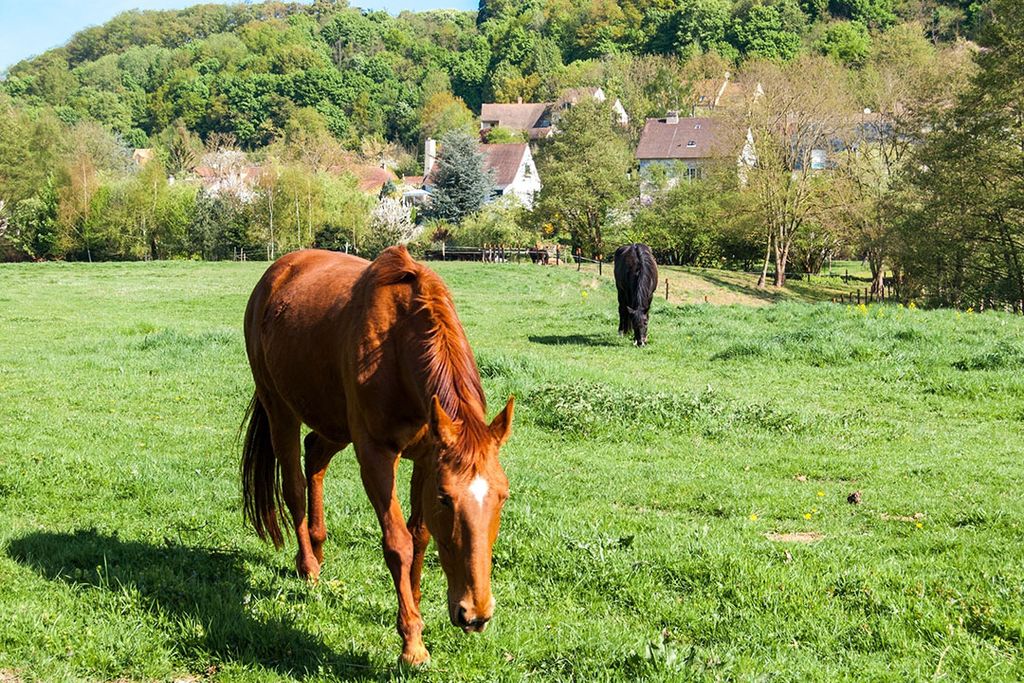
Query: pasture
column 662, row 498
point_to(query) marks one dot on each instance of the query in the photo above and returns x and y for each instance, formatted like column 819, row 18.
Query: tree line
column 917, row 104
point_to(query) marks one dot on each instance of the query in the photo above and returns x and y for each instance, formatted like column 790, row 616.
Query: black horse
column 636, row 278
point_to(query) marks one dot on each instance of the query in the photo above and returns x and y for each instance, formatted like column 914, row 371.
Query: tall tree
column 461, row 182
column 585, row 173
column 804, row 109
column 903, row 87
column 963, row 243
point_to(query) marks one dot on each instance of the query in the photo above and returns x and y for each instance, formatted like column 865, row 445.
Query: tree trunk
column 781, row 257
column 876, row 262
column 764, row 268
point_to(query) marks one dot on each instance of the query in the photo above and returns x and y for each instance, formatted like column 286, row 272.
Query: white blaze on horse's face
column 479, row 489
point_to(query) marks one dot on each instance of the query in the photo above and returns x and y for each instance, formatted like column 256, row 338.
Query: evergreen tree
column 460, row 181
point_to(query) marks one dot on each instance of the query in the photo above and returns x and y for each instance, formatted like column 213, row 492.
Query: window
column 693, row 173
column 691, row 143
column 696, row 126
column 819, row 160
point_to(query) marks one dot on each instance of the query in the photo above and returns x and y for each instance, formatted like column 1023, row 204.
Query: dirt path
column 727, row 287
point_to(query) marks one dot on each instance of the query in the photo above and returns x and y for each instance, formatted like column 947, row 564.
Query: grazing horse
column 636, row 278
column 373, row 354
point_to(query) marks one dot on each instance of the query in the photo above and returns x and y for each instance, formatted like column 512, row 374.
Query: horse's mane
column 452, row 373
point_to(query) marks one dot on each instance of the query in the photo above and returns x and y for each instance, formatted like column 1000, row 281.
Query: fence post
column 666, row 289
column 579, row 261
column 558, row 254
column 599, row 264
column 858, row 296
column 846, row 278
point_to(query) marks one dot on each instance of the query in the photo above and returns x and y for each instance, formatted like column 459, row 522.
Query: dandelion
column 919, row 525
column 912, row 306
column 970, row 310
column 862, row 309
column 807, row 515
column 821, row 494
column 753, row 517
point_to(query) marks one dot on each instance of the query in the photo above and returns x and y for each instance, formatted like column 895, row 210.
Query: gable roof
column 504, row 160
column 573, row 96
column 523, row 116
column 663, row 140
column 371, row 178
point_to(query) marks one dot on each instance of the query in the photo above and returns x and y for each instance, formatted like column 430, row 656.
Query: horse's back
column 296, row 332
column 636, row 272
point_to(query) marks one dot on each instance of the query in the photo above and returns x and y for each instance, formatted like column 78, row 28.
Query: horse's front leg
column 417, row 526
column 378, row 467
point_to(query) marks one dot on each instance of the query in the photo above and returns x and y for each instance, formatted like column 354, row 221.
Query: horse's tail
column 261, row 481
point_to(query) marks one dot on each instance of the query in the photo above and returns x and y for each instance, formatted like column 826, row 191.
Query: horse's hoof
column 414, row 656
column 308, row 569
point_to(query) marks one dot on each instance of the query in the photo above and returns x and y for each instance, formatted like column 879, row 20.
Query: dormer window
column 696, row 126
column 691, row 143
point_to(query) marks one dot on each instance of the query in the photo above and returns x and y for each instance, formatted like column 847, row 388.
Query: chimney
column 672, row 117
column 429, row 156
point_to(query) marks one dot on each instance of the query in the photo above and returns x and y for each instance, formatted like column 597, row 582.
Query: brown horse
column 373, row 354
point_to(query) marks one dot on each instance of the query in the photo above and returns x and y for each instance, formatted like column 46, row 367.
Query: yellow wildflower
column 753, row 517
column 807, row 515
column 821, row 494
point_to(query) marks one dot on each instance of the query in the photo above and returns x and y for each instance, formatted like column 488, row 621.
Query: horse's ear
column 441, row 426
column 501, row 426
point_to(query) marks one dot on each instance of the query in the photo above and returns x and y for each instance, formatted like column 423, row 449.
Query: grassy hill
column 678, row 512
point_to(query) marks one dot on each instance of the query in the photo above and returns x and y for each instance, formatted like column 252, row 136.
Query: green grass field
column 659, row 496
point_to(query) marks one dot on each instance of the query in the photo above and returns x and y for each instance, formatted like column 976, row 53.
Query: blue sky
column 30, row 27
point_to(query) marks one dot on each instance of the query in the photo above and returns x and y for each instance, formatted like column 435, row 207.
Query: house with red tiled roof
column 684, row 142
column 681, row 148
column 371, row 179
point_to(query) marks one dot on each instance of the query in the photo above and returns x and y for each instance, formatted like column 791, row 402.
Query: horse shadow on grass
column 193, row 584
column 573, row 340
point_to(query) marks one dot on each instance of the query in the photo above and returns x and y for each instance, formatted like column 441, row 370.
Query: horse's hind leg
column 319, row 452
column 624, row 322
column 284, row 433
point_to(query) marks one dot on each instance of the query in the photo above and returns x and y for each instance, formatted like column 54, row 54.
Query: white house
column 511, row 165
column 513, row 171
column 573, row 96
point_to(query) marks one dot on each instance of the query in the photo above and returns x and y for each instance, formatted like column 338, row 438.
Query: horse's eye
column 444, row 499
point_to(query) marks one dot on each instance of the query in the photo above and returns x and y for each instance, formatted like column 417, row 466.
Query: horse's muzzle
column 470, row 623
